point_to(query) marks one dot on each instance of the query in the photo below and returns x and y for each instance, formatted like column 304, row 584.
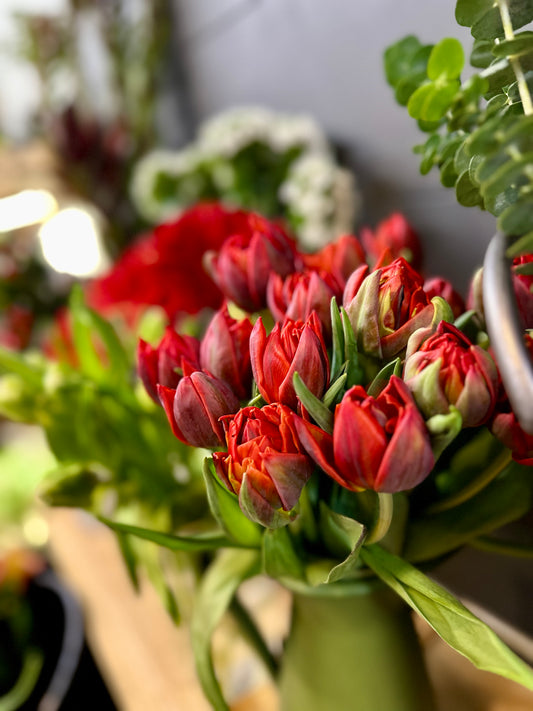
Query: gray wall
column 325, row 57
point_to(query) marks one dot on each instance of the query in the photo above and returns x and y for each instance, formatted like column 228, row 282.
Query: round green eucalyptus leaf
column 466, row 191
column 446, row 60
column 398, row 58
column 448, row 174
column 517, row 219
column 467, row 12
column 521, row 44
column 481, row 56
column 431, row 101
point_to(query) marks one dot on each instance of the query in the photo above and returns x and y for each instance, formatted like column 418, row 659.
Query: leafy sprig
column 480, row 130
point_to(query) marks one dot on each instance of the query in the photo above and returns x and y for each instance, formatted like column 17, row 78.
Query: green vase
column 353, row 650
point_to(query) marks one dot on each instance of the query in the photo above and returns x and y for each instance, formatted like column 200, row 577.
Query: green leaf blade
column 451, row 620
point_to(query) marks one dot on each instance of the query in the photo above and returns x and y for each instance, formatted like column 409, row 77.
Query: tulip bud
column 448, row 369
column 378, row 443
column 245, row 261
column 196, row 406
column 340, row 258
column 166, row 364
column 385, row 307
column 506, row 427
column 292, row 347
column 396, row 235
column 265, row 464
column 225, row 352
column 299, row 294
column 437, row 286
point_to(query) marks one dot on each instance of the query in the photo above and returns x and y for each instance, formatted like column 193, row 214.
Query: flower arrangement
column 327, row 417
column 280, row 165
column 352, row 423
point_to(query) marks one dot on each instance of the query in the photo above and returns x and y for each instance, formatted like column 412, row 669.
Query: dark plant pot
column 69, row 679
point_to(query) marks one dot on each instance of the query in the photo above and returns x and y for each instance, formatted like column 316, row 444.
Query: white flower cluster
column 319, row 198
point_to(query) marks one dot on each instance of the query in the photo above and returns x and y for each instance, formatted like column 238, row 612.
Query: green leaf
column 522, row 43
column 225, row 508
column 337, row 352
column 191, row 544
column 414, row 77
column 505, row 499
column 345, row 530
column 383, row 377
column 280, row 560
column 335, row 390
column 315, row 407
column 29, row 675
column 431, row 101
column 354, row 371
column 71, row 485
column 129, row 557
column 457, row 626
column 489, row 25
column 398, row 58
column 517, row 219
column 217, row 589
column 467, row 12
column 513, row 172
column 466, row 191
column 446, row 60
column 482, row 56
column 521, row 246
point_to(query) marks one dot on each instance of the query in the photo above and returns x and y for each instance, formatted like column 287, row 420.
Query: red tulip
column 448, row 369
column 194, row 409
column 299, row 294
column 265, row 464
column 386, row 306
column 293, row 346
column 506, row 427
column 437, row 286
column 166, row 364
column 225, row 352
column 378, row 443
column 396, row 235
column 247, row 258
column 340, row 258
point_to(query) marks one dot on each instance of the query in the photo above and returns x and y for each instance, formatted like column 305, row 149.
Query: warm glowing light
column 71, row 243
column 25, row 208
column 35, row 530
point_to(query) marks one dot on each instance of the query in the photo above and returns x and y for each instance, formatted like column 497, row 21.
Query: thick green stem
column 383, row 519
column 475, row 486
column 523, row 89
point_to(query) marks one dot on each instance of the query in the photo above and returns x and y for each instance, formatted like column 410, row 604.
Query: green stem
column 523, row 89
column 383, row 519
column 251, row 633
column 494, row 545
column 475, row 486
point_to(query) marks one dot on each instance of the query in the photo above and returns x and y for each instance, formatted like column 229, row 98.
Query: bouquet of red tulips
column 351, row 418
column 356, row 420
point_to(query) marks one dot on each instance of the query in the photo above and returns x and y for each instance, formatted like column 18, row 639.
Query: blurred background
column 103, row 111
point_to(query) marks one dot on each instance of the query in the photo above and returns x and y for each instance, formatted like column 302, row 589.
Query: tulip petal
column 408, row 459
column 166, row 397
column 289, row 472
column 319, row 446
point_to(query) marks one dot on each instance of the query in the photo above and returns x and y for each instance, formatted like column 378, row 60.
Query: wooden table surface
column 146, row 660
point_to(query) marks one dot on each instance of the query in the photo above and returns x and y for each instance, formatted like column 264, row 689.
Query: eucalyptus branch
column 523, row 89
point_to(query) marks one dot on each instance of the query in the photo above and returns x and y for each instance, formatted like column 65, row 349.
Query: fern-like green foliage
column 480, row 130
